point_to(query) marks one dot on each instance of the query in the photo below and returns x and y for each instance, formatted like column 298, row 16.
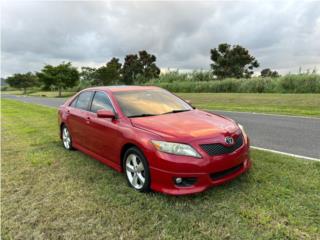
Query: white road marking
column 285, row 153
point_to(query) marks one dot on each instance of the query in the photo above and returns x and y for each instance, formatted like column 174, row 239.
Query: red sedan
column 158, row 140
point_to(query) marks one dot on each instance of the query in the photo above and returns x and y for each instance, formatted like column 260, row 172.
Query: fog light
column 184, row 182
column 178, row 180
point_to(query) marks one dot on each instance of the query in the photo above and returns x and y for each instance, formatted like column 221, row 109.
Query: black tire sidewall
column 135, row 150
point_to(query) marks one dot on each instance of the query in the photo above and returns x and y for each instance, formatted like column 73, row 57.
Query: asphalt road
column 294, row 135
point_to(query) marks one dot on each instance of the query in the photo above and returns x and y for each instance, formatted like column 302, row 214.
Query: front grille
column 219, row 149
column 222, row 174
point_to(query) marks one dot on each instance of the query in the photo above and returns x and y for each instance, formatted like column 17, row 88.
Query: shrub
column 199, row 76
column 174, row 76
column 5, row 88
column 301, row 83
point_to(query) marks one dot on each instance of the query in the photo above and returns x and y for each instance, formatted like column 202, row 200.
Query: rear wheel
column 136, row 169
column 66, row 138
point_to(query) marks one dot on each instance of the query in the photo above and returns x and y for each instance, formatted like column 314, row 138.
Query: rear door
column 78, row 117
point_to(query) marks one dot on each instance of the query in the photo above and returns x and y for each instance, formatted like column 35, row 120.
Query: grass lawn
column 50, row 193
column 289, row 104
column 50, row 94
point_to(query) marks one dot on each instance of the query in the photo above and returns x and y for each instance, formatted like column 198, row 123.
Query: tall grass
column 204, row 82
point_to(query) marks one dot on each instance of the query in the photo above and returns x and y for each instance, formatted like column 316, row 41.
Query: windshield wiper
column 176, row 111
column 142, row 115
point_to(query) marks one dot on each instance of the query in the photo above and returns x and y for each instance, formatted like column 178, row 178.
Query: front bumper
column 208, row 171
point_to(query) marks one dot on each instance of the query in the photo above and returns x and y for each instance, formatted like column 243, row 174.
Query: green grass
column 274, row 103
column 50, row 94
column 50, row 193
column 287, row 104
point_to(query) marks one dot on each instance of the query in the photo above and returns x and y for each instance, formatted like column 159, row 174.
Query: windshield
column 149, row 102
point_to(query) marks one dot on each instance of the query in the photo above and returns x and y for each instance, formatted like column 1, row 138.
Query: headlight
column 242, row 129
column 175, row 148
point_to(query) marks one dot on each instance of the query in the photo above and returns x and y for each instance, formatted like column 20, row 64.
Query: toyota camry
column 159, row 141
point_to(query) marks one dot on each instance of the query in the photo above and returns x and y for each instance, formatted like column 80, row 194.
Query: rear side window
column 101, row 101
column 84, row 100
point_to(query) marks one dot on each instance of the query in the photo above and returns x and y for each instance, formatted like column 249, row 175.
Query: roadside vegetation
column 50, row 193
column 203, row 82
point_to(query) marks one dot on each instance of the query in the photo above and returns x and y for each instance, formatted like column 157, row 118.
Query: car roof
column 122, row 88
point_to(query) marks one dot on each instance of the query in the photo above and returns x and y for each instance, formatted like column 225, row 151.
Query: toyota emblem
column 229, row 140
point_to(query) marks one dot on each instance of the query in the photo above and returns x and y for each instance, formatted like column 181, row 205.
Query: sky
column 281, row 35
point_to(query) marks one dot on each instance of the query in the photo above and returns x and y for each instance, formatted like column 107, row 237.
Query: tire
column 136, row 170
column 66, row 138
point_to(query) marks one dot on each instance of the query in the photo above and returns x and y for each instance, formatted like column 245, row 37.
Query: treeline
column 136, row 69
column 232, row 68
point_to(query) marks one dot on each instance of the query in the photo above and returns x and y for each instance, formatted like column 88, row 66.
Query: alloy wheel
column 135, row 171
column 66, row 138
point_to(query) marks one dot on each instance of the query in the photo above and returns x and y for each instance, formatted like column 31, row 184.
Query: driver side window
column 101, row 101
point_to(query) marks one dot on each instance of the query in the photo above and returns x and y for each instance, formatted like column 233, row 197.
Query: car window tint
column 101, row 101
column 84, row 100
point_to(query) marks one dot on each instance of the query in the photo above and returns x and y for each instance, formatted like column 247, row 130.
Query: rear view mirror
column 102, row 113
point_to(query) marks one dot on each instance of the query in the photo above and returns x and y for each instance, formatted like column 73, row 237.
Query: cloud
column 281, row 35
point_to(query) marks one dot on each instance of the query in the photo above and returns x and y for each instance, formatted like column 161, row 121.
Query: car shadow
column 91, row 172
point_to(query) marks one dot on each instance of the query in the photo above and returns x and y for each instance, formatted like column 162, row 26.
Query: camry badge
column 229, row 140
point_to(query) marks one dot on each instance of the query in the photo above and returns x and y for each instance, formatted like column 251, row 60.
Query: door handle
column 88, row 120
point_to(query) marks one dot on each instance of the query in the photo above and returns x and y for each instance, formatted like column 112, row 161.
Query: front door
column 104, row 132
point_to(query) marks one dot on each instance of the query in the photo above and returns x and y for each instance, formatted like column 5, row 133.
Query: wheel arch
column 60, row 129
column 125, row 147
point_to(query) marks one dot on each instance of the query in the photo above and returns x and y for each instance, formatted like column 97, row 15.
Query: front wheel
column 137, row 170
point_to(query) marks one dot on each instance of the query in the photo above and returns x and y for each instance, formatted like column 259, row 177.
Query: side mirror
column 102, row 113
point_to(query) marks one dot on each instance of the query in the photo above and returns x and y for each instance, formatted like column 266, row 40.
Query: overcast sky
column 282, row 35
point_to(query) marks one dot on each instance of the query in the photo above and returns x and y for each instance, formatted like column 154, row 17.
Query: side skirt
column 98, row 157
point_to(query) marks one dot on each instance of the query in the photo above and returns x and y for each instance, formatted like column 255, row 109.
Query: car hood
column 186, row 125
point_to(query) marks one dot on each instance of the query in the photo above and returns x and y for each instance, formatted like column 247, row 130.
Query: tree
column 232, row 61
column 108, row 74
column 62, row 76
column 268, row 73
column 131, row 68
column 149, row 68
column 139, row 67
column 87, row 76
column 23, row 81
